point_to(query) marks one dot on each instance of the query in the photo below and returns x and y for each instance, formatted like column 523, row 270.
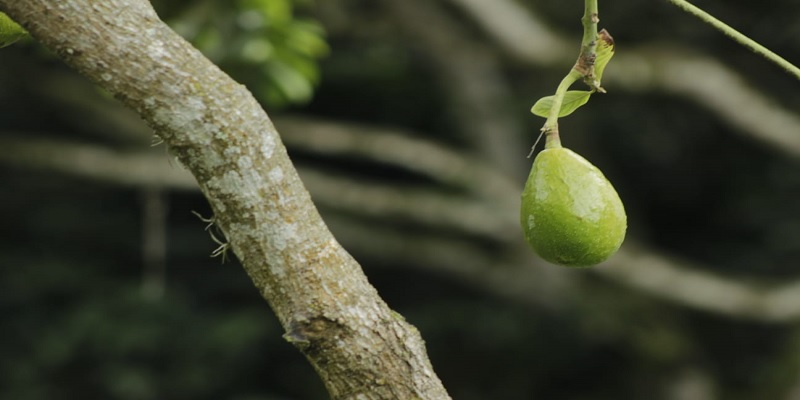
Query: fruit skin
column 570, row 213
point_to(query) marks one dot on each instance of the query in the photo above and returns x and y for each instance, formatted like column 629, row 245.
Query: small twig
column 536, row 143
column 738, row 36
column 586, row 60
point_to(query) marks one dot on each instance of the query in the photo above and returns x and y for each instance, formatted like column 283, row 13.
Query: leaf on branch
column 573, row 99
column 10, row 31
column 605, row 50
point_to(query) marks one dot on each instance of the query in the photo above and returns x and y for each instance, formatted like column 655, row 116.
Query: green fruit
column 10, row 31
column 571, row 215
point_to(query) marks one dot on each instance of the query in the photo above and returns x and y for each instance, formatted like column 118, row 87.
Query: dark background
column 107, row 289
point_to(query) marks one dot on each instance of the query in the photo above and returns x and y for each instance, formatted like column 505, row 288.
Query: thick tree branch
column 360, row 348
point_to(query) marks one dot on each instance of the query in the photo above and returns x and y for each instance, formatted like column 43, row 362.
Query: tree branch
column 360, row 348
column 478, row 93
column 712, row 85
column 397, row 148
column 519, row 31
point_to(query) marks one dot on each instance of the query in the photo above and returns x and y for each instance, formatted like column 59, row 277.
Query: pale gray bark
column 213, row 125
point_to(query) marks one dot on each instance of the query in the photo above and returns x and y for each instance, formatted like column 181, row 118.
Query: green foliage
column 10, row 31
column 262, row 43
column 605, row 50
column 573, row 100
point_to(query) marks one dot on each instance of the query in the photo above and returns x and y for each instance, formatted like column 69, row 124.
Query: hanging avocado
column 571, row 215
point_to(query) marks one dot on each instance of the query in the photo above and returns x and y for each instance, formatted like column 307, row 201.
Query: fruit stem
column 588, row 55
column 550, row 128
column 553, row 140
column 737, row 36
column 583, row 69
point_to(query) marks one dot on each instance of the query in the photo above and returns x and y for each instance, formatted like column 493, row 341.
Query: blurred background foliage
column 265, row 44
column 409, row 122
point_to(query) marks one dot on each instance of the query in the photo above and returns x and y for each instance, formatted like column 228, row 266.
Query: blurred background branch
column 370, row 205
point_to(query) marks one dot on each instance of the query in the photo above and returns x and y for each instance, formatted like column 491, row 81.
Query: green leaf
column 10, row 31
column 573, row 99
column 289, row 81
column 605, row 50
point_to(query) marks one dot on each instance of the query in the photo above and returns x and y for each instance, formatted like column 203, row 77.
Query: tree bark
column 214, row 126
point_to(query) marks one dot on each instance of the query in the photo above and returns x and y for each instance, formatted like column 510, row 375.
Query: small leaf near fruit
column 573, row 99
column 605, row 50
column 571, row 215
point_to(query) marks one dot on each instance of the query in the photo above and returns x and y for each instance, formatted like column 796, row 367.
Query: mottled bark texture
column 360, row 348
